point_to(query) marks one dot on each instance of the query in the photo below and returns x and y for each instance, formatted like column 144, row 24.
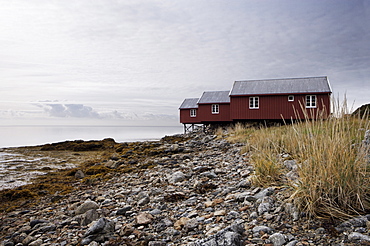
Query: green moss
column 98, row 169
column 174, row 139
column 18, row 194
column 126, row 169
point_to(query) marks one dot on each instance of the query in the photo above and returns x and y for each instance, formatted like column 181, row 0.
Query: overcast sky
column 124, row 62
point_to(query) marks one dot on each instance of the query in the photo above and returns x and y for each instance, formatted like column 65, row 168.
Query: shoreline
column 182, row 190
column 27, row 163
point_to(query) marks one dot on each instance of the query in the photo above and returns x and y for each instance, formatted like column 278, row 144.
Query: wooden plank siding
column 187, row 119
column 206, row 116
column 277, row 107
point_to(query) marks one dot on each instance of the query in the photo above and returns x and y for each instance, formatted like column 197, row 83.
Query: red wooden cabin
column 271, row 99
column 189, row 111
column 214, row 106
column 277, row 99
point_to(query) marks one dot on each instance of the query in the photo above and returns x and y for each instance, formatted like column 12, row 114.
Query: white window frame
column 311, row 101
column 291, row 98
column 193, row 113
column 254, row 102
column 215, row 108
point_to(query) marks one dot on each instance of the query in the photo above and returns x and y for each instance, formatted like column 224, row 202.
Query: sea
column 16, row 169
column 17, row 136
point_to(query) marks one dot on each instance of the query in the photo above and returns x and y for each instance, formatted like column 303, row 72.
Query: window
column 290, row 98
column 254, row 102
column 215, row 109
column 311, row 101
column 193, row 113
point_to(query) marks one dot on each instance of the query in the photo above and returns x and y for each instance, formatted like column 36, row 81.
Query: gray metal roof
column 189, row 103
column 215, row 97
column 281, row 86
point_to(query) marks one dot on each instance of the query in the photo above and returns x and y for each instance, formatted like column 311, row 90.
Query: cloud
column 81, row 111
column 70, row 110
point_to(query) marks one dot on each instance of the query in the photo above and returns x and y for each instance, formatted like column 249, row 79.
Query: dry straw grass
column 334, row 174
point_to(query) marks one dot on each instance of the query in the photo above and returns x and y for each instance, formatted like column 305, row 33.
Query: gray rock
column 86, row 206
column 258, row 229
column 208, row 138
column 292, row 176
column 264, row 208
column 291, row 165
column 250, row 198
column 177, row 177
column 232, row 239
column 88, row 217
column 42, row 228
column 174, row 147
column 79, row 174
column 142, row 195
column 144, row 218
column 292, row 210
column 277, row 239
column 38, row 242
column 233, row 215
column 200, row 169
column 36, row 222
column 157, row 243
column 111, row 164
column 122, row 211
column 102, row 226
column 354, row 236
column 240, row 197
column 7, row 243
column 266, row 192
column 230, row 236
column 192, row 224
column 359, row 221
column 93, row 243
column 253, row 215
column 172, row 232
column 155, row 211
column 292, row 243
column 210, row 175
column 28, row 240
column 244, row 184
column 143, row 201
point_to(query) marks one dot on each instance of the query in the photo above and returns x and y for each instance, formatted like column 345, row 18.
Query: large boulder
column 100, row 232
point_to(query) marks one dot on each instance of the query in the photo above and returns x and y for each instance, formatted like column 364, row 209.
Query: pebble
column 354, row 236
column 144, row 218
column 277, row 239
column 87, row 205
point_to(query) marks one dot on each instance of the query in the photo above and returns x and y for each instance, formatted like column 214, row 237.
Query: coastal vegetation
column 333, row 175
column 91, row 158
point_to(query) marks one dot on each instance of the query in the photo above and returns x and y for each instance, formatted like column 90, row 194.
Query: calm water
column 15, row 136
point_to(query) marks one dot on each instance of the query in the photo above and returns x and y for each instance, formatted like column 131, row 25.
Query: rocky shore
column 183, row 190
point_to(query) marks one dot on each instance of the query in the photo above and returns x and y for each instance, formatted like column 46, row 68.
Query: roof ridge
column 314, row 77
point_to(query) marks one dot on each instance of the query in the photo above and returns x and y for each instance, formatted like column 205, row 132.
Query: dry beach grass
column 333, row 168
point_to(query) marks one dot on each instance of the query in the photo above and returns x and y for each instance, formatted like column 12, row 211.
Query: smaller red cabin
column 189, row 111
column 214, row 106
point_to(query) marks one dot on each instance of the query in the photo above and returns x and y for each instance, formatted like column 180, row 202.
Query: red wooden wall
column 186, row 119
column 277, row 107
column 205, row 113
